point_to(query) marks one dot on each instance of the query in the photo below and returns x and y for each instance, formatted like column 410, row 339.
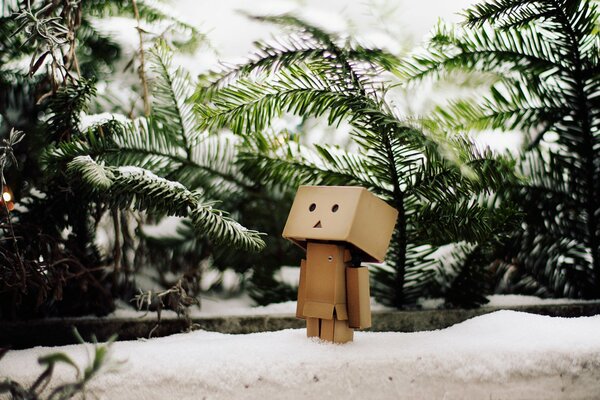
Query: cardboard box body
column 345, row 214
column 330, row 289
column 322, row 290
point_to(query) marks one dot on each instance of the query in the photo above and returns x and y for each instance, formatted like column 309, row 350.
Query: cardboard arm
column 358, row 297
column 301, row 291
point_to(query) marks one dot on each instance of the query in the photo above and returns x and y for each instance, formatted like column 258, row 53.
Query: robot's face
column 323, row 213
column 346, row 214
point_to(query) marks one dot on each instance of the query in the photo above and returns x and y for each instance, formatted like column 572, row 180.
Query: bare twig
column 7, row 158
column 142, row 70
column 116, row 250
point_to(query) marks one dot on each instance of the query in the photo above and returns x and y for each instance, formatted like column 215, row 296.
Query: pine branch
column 509, row 107
column 268, row 58
column 465, row 220
column 293, row 168
column 170, row 91
column 137, row 143
column 307, row 44
column 507, row 12
column 65, row 108
column 127, row 187
column 467, row 283
column 142, row 68
column 455, row 49
column 548, row 51
column 151, row 12
column 396, row 157
column 420, row 271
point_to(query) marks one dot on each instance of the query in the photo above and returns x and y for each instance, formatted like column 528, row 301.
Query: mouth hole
column 318, row 225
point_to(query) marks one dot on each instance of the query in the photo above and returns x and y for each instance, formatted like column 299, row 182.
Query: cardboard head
column 347, row 214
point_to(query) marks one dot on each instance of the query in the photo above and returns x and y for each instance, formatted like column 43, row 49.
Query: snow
column 167, row 227
column 90, row 120
column 504, row 300
column 502, row 355
column 133, row 170
column 515, row 300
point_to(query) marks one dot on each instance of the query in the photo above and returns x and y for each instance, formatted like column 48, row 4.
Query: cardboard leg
column 334, row 330
column 342, row 333
column 327, row 326
column 312, row 327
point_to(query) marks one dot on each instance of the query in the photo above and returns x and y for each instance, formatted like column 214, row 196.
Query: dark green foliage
column 58, row 261
column 267, row 210
column 266, row 289
column 140, row 189
column 167, row 143
column 52, row 268
column 65, row 109
column 92, row 56
column 471, row 278
column 544, row 55
column 432, row 180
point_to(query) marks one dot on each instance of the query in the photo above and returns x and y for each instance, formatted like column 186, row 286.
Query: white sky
column 394, row 24
column 233, row 33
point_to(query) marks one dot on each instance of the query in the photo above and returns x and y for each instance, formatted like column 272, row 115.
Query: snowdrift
column 503, row 355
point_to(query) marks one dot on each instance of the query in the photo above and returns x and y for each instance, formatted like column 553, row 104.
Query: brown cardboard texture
column 301, row 290
column 313, row 327
column 322, row 297
column 325, row 282
column 359, row 297
column 347, row 214
column 331, row 223
column 336, row 331
column 332, row 330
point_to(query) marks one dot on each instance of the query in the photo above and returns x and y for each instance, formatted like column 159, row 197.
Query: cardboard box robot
column 339, row 227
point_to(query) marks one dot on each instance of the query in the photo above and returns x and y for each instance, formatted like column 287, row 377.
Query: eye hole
column 335, row 208
column 312, row 207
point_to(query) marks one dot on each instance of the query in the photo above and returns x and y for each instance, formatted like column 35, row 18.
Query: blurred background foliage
column 543, row 60
column 127, row 159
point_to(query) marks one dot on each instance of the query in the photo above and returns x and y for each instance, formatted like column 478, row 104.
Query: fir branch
column 395, row 157
column 127, row 187
column 142, row 68
column 170, row 91
column 152, row 11
column 325, row 167
column 453, row 49
column 548, row 50
column 137, row 143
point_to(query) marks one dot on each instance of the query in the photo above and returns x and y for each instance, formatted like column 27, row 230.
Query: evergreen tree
column 80, row 172
column 544, row 58
column 124, row 163
column 434, row 181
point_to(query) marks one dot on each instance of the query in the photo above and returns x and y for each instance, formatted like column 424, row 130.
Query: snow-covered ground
column 503, row 355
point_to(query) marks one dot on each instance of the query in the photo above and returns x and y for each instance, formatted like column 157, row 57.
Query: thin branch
column 142, row 70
